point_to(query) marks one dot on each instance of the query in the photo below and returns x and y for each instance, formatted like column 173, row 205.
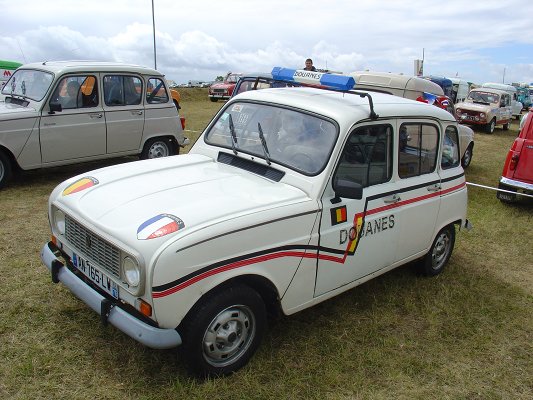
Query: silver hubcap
column 229, row 335
column 440, row 251
column 467, row 157
column 158, row 149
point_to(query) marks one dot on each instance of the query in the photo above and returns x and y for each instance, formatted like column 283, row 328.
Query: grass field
column 465, row 334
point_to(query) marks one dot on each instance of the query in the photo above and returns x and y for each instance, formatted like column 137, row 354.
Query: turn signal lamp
column 145, row 308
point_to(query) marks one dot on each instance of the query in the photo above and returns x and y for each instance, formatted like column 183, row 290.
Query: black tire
column 439, row 253
column 467, row 156
column 159, row 147
column 222, row 332
column 5, row 169
column 506, row 126
column 213, row 99
column 489, row 128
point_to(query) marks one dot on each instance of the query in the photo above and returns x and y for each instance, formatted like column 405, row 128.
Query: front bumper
column 156, row 338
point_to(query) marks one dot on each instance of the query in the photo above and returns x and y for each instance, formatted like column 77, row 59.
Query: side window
column 450, row 148
column 76, row 92
column 367, row 156
column 417, row 147
column 122, row 90
column 156, row 91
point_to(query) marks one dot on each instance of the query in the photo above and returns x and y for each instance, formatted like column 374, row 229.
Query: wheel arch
column 263, row 286
column 10, row 156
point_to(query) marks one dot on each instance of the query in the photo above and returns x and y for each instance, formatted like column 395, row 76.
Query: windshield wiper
column 233, row 135
column 264, row 143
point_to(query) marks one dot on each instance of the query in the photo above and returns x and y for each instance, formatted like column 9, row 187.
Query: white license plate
column 95, row 275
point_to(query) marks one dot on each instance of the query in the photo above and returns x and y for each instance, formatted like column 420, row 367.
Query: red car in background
column 517, row 175
column 223, row 90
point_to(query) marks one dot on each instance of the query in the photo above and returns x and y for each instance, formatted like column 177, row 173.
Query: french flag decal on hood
column 158, row 226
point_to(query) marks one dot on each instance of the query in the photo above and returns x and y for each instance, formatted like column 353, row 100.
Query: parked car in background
column 523, row 96
column 517, row 174
column 516, row 106
column 65, row 112
column 485, row 107
column 223, row 90
column 289, row 197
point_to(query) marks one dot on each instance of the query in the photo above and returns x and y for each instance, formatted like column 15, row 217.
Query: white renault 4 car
column 290, row 197
column 65, row 112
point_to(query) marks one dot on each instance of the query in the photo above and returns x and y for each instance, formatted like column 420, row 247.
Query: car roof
column 490, row 90
column 344, row 107
column 395, row 81
column 72, row 66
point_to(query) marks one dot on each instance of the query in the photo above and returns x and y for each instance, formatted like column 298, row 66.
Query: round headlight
column 59, row 221
column 132, row 272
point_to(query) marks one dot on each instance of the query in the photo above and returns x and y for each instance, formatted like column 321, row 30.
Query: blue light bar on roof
column 333, row 81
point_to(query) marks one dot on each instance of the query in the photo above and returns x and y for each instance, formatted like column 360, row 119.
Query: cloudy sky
column 480, row 41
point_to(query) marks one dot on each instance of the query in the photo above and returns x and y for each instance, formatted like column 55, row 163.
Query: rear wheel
column 467, row 157
column 506, row 126
column 158, row 147
column 5, row 169
column 213, row 99
column 489, row 128
column 223, row 331
column 439, row 253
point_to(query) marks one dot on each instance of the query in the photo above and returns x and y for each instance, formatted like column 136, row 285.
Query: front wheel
column 213, row 99
column 223, row 331
column 489, row 128
column 439, row 253
column 506, row 126
column 5, row 169
column 158, row 147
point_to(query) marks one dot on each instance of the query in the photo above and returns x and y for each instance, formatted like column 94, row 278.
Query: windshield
column 297, row 140
column 484, row 97
column 28, row 83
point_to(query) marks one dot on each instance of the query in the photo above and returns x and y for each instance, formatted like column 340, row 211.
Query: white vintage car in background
column 290, row 197
column 65, row 112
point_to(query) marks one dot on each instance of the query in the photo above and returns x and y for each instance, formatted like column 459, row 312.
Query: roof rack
column 321, row 80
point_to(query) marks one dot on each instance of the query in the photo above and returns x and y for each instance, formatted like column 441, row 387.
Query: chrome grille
column 92, row 246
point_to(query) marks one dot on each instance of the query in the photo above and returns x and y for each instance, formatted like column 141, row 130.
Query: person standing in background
column 309, row 65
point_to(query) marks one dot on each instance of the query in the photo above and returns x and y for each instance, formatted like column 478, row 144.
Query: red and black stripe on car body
column 297, row 250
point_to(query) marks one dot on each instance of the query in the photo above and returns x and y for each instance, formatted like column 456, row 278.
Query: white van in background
column 516, row 106
column 460, row 89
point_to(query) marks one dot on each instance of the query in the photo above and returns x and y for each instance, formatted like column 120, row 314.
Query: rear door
column 124, row 111
column 417, row 187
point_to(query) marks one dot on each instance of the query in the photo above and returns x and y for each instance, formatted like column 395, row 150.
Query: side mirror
column 347, row 189
column 55, row 107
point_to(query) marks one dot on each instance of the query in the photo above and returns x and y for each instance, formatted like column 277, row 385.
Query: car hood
column 10, row 111
column 130, row 201
column 221, row 85
column 476, row 106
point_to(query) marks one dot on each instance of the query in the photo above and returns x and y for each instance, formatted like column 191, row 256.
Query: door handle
column 393, row 199
column 99, row 115
column 137, row 112
column 433, row 188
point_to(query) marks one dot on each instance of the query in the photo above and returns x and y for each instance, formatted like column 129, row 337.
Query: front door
column 79, row 130
column 358, row 237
